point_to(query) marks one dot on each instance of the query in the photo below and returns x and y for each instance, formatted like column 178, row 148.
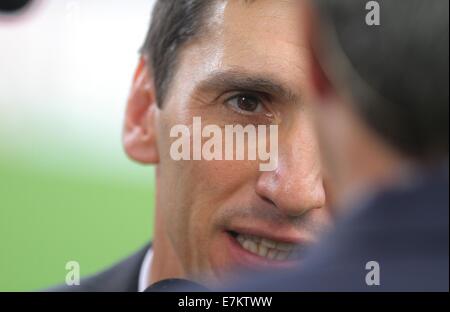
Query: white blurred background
column 65, row 71
column 67, row 190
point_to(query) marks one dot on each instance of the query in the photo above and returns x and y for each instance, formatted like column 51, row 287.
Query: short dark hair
column 404, row 61
column 173, row 23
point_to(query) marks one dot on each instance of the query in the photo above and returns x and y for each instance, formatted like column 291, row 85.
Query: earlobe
column 139, row 134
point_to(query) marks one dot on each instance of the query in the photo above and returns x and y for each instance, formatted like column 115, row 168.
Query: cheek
column 209, row 187
column 196, row 189
column 191, row 194
column 218, row 186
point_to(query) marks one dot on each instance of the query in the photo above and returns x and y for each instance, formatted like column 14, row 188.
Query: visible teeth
column 272, row 254
column 250, row 246
column 269, row 243
column 282, row 255
column 262, row 250
column 266, row 248
column 285, row 246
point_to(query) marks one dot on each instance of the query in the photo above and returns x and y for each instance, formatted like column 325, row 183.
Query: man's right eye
column 246, row 104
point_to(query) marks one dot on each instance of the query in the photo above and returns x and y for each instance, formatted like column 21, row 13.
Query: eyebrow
column 237, row 80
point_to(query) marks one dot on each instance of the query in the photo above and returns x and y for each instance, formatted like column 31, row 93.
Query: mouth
column 268, row 249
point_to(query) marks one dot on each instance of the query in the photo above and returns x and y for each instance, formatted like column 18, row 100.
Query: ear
column 139, row 134
column 311, row 26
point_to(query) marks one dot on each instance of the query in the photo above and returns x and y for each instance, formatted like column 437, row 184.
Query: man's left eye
column 244, row 103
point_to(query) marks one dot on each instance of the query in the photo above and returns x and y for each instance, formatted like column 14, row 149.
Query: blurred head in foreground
column 381, row 91
column 381, row 99
column 236, row 62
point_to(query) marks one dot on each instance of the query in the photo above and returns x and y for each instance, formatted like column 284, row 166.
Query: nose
column 296, row 185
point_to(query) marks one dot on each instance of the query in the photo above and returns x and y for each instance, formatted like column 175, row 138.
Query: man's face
column 248, row 69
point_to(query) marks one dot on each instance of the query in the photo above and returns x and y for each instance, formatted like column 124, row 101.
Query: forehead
column 260, row 25
column 257, row 37
column 259, row 29
column 262, row 35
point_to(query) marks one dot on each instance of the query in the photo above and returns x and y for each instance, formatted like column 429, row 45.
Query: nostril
column 268, row 200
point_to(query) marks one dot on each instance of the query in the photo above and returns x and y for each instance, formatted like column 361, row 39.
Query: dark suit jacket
column 406, row 230
column 121, row 277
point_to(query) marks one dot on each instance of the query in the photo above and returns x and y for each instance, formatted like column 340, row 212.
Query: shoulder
column 404, row 231
column 120, row 277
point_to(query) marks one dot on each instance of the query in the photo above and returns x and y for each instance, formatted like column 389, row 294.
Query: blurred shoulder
column 120, row 277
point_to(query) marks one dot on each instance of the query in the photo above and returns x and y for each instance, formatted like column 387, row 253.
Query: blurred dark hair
column 13, row 6
column 173, row 23
column 397, row 72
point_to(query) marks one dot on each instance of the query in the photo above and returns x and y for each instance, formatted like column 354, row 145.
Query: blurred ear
column 139, row 134
column 320, row 83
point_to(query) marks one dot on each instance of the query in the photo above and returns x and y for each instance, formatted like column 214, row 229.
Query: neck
column 165, row 263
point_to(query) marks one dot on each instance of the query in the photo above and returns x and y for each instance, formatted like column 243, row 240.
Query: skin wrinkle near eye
column 202, row 101
column 235, row 81
column 223, row 82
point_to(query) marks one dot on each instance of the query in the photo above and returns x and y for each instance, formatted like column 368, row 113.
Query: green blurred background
column 67, row 191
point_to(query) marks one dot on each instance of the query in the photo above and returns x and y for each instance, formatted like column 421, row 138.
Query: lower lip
column 248, row 260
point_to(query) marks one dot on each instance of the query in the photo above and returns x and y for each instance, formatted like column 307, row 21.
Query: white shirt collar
column 144, row 273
